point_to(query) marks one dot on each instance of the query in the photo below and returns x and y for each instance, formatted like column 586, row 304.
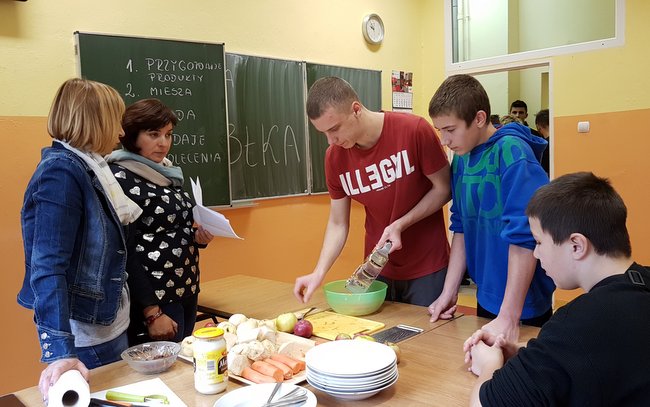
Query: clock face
column 373, row 29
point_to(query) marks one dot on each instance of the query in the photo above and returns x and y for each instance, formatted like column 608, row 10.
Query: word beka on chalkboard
column 267, row 127
column 189, row 77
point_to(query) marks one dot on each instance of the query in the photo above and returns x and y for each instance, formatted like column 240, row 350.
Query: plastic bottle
column 366, row 273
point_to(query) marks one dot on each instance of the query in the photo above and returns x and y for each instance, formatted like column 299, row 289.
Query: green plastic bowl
column 344, row 302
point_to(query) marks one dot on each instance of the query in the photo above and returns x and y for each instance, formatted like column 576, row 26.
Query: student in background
column 519, row 109
column 495, row 120
column 593, row 351
column 542, row 124
column 393, row 164
column 494, row 174
column 75, row 246
column 164, row 275
column 508, row 118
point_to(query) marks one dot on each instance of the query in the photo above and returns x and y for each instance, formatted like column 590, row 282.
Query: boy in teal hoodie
column 494, row 175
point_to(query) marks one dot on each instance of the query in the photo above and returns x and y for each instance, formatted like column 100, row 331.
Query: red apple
column 303, row 328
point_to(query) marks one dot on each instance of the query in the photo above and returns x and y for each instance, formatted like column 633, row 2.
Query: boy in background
column 593, row 351
column 494, row 174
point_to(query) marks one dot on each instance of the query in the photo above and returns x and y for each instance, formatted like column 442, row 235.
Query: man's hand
column 54, row 370
column 443, row 307
column 509, row 327
column 305, row 287
column 392, row 232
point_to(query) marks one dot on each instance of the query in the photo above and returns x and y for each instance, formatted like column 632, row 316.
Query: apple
column 285, row 322
column 364, row 337
column 395, row 348
column 342, row 336
column 303, row 328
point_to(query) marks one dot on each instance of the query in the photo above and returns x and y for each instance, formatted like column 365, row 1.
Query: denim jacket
column 75, row 251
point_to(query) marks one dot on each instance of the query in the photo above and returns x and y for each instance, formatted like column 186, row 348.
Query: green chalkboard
column 267, row 127
column 189, row 77
column 367, row 84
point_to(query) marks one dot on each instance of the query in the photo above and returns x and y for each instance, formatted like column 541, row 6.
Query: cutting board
column 328, row 324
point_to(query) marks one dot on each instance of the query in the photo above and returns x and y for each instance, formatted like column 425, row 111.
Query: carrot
column 268, row 370
column 286, row 370
column 255, row 376
column 294, row 364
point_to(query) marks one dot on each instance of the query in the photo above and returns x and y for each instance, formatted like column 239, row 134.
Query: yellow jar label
column 211, row 367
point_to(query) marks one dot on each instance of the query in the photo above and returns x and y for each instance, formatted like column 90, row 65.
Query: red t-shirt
column 389, row 179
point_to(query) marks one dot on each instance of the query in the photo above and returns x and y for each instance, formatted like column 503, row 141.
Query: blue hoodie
column 491, row 186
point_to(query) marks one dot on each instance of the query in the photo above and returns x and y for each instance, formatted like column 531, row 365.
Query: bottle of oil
column 366, row 273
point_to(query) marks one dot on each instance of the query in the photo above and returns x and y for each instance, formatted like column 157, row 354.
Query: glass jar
column 210, row 362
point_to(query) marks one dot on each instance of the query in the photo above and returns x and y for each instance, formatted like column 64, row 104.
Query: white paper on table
column 145, row 388
column 212, row 221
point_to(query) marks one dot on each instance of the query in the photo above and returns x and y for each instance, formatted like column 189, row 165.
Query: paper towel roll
column 71, row 390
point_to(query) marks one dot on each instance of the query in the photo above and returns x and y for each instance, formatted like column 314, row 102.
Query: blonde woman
column 73, row 218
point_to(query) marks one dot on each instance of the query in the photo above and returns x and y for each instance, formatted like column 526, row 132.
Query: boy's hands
column 443, row 307
column 485, row 358
column 509, row 349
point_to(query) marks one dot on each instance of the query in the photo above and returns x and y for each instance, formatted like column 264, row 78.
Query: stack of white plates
column 351, row 369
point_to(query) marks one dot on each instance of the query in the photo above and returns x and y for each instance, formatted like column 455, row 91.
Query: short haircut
column 519, row 103
column 508, row 118
column 145, row 114
column 462, row 96
column 542, row 118
column 327, row 92
column 87, row 115
column 583, row 203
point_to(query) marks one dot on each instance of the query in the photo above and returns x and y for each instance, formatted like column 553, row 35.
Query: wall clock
column 373, row 29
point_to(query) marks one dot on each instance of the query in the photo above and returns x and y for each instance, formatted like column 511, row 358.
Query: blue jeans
column 103, row 354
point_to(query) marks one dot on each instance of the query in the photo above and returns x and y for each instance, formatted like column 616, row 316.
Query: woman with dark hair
column 164, row 301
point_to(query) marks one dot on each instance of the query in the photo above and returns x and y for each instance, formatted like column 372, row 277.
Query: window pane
column 484, row 29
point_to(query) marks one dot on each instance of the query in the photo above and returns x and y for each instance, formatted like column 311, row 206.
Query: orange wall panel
column 617, row 147
column 282, row 240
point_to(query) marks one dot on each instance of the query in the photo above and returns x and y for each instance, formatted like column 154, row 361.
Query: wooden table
column 432, row 371
column 266, row 299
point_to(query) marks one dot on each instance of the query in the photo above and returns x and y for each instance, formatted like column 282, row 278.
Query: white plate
column 353, row 395
column 352, row 378
column 297, row 378
column 257, row 394
column 359, row 386
column 350, row 358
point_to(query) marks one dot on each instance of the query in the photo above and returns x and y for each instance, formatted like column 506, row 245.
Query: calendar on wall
column 402, row 86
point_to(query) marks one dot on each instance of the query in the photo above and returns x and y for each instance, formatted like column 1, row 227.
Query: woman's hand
column 54, row 370
column 202, row 236
column 162, row 328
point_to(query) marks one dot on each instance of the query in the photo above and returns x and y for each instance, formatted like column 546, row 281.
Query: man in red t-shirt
column 393, row 164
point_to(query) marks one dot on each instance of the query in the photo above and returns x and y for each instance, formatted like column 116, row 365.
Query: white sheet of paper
column 146, row 387
column 212, row 221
